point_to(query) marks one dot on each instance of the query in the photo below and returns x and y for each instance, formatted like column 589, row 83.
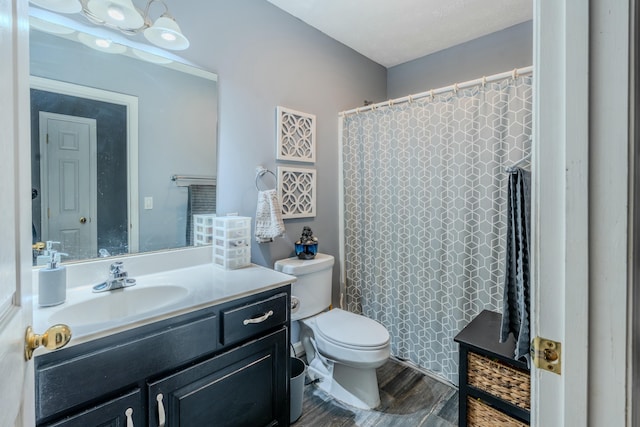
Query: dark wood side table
column 494, row 388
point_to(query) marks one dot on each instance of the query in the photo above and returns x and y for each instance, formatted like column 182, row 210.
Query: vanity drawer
column 240, row 323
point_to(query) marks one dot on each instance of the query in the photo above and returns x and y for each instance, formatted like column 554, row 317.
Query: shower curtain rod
column 452, row 88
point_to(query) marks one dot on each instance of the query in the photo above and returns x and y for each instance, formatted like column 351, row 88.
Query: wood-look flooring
column 408, row 399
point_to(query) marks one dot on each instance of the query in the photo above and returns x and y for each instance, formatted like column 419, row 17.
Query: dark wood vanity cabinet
column 225, row 365
column 238, row 388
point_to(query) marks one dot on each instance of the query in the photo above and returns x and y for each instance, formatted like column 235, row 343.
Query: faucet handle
column 116, row 270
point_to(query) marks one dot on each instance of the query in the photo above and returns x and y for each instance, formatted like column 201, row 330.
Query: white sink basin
column 118, row 305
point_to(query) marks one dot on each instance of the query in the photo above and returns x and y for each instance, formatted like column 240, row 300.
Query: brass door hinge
column 547, row 355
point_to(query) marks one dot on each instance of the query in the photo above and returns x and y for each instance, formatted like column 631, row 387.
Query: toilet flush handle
column 295, row 304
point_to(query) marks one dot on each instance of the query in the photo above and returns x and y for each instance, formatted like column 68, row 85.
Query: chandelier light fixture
column 124, row 16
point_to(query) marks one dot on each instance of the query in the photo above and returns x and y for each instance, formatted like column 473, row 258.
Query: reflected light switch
column 148, row 202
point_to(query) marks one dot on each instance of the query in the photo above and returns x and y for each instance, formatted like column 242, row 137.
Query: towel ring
column 260, row 174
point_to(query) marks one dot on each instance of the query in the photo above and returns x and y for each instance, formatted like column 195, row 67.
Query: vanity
column 217, row 355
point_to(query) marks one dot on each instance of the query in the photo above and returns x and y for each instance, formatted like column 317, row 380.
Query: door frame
column 44, row 171
column 131, row 104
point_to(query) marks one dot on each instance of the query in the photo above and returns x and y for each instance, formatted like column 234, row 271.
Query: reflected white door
column 16, row 378
column 68, row 178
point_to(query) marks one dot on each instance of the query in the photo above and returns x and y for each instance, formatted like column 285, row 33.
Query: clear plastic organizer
column 232, row 241
column 232, row 252
column 232, row 263
column 203, row 229
column 233, row 227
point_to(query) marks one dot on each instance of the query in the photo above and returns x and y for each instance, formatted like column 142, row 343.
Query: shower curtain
column 425, row 213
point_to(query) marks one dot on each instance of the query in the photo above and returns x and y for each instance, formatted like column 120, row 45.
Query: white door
column 68, row 180
column 580, row 199
column 16, row 379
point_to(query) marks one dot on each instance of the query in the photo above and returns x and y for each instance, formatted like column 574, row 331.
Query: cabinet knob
column 54, row 338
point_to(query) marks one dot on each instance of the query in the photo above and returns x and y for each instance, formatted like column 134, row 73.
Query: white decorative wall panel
column 297, row 190
column 296, row 136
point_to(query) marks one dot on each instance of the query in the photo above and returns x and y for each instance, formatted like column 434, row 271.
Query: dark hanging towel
column 201, row 200
column 516, row 302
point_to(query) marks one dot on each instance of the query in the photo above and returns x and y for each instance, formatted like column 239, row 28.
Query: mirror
column 123, row 143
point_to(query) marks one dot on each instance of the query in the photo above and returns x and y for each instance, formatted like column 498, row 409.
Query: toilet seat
column 350, row 330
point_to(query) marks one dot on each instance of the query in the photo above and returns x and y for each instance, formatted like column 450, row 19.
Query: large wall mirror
column 124, row 143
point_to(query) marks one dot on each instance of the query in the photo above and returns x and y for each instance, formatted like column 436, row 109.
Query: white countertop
column 205, row 284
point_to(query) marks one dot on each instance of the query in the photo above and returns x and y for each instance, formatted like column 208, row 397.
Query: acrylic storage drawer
column 232, row 253
column 203, row 229
column 232, row 263
column 232, row 242
column 232, row 227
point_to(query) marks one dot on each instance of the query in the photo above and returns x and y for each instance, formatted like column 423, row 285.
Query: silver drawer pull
column 161, row 417
column 259, row 319
column 128, row 414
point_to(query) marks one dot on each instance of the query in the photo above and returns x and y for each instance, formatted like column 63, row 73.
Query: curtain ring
column 431, row 94
column 358, row 110
column 390, row 103
column 515, row 73
column 410, row 99
column 455, row 88
column 484, row 81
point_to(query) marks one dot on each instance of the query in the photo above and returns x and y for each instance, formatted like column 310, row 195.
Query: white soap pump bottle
column 52, row 282
column 45, row 257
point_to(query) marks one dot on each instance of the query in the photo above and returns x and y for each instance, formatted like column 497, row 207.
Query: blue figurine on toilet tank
column 307, row 246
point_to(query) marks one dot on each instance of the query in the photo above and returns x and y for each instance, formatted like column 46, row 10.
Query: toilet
column 343, row 349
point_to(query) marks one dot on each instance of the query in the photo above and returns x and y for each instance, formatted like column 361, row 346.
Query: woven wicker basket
column 480, row 414
column 505, row 382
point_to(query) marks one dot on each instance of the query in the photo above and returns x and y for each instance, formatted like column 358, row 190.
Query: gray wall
column 494, row 53
column 265, row 58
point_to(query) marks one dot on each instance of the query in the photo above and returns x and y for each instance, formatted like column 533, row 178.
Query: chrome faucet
column 118, row 279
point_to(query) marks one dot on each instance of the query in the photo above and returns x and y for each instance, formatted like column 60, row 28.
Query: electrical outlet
column 148, row 202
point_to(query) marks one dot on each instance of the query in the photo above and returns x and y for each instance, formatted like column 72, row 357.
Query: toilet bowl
column 343, row 349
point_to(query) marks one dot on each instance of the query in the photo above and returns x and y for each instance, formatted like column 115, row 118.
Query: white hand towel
column 269, row 222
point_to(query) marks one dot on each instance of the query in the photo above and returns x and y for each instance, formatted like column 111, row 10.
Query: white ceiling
column 391, row 32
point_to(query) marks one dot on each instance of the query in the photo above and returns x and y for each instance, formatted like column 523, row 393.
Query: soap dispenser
column 52, row 282
column 45, row 257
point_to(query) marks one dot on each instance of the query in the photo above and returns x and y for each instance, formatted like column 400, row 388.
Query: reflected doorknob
column 54, row 338
column 83, row 220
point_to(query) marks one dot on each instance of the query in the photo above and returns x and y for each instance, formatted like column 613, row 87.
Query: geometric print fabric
column 425, row 201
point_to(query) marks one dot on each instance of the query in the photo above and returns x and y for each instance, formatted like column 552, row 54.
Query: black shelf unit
column 481, row 336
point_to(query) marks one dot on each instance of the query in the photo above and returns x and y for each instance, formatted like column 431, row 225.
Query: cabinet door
column 114, row 413
column 247, row 386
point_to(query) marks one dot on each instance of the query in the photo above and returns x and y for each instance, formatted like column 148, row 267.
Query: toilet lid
column 351, row 330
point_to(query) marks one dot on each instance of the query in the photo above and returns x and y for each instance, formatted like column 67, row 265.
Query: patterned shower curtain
column 425, row 207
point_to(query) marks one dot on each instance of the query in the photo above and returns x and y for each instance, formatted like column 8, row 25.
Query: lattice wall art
column 297, row 190
column 296, row 136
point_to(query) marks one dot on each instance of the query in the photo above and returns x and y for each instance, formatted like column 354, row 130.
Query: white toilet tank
column 313, row 285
